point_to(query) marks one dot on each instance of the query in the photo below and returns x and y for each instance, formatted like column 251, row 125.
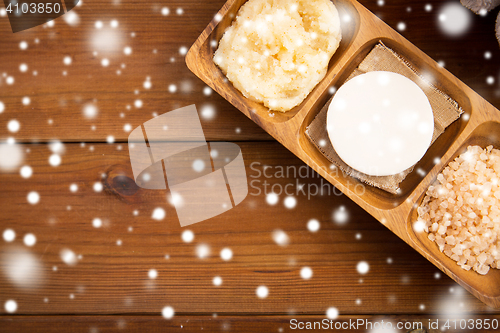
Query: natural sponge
column 477, row 6
column 497, row 28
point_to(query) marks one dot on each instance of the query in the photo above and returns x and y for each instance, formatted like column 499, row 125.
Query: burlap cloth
column 381, row 58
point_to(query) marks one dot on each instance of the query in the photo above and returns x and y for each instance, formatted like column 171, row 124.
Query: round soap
column 380, row 123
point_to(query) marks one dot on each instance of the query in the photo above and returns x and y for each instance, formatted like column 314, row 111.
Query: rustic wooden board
column 197, row 323
column 62, row 98
column 114, row 279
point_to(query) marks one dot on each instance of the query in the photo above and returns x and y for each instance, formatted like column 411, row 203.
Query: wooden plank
column 197, row 323
column 62, row 98
column 112, row 278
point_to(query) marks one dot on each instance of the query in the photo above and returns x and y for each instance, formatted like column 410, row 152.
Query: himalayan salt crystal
column 450, row 240
column 441, row 230
column 461, row 210
column 458, row 250
column 440, row 242
column 482, row 258
column 483, row 269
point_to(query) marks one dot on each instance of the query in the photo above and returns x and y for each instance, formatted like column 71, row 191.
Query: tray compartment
column 372, row 195
column 213, row 76
column 484, row 135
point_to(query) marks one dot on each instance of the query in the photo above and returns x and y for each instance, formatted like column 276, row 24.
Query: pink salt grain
column 461, row 210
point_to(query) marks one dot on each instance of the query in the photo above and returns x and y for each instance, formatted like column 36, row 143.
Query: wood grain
column 114, row 279
column 111, row 279
column 156, row 47
column 61, row 98
column 196, row 323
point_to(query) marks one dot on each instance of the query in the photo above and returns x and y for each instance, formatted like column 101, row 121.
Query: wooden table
column 107, row 285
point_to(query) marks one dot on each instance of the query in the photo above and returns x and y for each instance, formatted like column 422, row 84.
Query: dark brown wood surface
column 110, row 282
column 222, row 323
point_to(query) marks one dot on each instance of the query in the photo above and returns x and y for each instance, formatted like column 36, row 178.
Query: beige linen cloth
column 382, row 58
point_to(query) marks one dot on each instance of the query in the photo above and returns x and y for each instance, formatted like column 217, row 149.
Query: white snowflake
column 306, row 273
column 362, row 267
column 226, row 254
column 454, row 19
column 187, row 236
column 280, row 237
column 262, row 291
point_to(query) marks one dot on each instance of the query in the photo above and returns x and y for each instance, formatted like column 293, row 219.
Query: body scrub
column 277, row 51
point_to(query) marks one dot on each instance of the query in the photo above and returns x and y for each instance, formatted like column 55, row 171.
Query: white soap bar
column 380, row 123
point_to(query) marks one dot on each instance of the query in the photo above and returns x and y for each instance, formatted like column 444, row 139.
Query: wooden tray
column 361, row 31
